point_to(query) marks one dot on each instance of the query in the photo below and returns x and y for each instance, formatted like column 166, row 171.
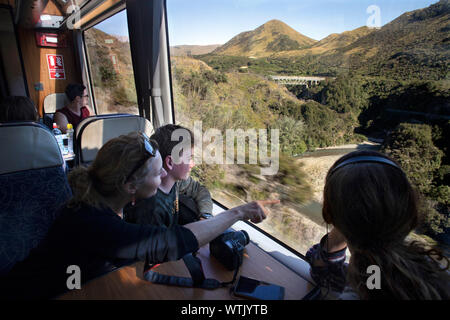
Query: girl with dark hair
column 90, row 231
column 373, row 207
column 17, row 108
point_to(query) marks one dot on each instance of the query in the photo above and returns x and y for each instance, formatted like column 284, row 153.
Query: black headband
column 374, row 159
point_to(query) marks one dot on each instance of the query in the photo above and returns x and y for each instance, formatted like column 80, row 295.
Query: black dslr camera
column 228, row 248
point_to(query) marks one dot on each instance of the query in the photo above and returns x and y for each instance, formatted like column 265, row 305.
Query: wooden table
column 128, row 283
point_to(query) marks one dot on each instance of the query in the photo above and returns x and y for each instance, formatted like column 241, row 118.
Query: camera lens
column 243, row 237
column 228, row 248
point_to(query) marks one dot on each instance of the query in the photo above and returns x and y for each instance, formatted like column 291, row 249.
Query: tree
column 412, row 146
column 434, row 223
column 291, row 135
column 346, row 94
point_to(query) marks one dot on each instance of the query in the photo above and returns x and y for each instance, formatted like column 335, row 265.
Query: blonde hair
column 105, row 177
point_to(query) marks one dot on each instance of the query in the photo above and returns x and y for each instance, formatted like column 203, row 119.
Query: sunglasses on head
column 149, row 152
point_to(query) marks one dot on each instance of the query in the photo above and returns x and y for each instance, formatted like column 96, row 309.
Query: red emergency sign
column 55, row 64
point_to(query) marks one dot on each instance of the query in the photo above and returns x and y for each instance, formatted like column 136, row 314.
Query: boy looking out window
column 164, row 208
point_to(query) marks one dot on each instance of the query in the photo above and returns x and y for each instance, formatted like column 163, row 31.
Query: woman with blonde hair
column 373, row 207
column 90, row 231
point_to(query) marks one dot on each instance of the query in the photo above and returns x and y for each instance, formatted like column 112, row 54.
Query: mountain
column 413, row 46
column 416, row 42
column 272, row 37
column 330, row 43
column 339, row 40
column 187, row 50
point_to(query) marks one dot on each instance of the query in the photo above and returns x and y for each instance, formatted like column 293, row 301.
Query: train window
column 110, row 66
column 330, row 78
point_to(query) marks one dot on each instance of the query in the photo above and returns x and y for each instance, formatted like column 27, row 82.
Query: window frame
column 169, row 62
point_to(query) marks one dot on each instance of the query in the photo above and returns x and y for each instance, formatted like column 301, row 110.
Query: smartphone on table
column 258, row 290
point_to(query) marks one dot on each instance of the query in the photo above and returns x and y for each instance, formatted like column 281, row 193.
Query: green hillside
column 114, row 86
column 415, row 45
column 226, row 100
column 230, row 100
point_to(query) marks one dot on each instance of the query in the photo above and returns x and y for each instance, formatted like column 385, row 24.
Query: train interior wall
column 37, row 73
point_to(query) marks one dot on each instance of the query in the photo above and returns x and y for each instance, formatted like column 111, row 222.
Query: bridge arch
column 297, row 80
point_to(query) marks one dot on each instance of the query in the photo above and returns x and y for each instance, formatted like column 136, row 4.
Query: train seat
column 33, row 185
column 93, row 132
column 53, row 102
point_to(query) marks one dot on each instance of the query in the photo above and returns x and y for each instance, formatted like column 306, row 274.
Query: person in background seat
column 76, row 110
column 373, row 208
column 17, row 108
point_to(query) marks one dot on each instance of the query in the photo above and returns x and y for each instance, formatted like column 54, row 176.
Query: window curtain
column 148, row 43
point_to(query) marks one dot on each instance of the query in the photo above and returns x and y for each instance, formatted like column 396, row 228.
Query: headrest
column 96, row 131
column 55, row 101
column 85, row 121
column 27, row 145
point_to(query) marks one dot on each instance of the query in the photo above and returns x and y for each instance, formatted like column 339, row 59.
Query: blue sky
column 201, row 22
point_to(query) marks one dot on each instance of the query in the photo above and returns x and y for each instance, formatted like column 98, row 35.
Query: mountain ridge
column 187, row 50
column 412, row 42
column 416, row 44
column 271, row 37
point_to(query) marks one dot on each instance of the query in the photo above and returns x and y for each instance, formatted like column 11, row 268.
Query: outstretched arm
column 207, row 230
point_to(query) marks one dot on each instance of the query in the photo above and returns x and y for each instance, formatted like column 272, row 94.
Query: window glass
column 110, row 66
column 330, row 77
